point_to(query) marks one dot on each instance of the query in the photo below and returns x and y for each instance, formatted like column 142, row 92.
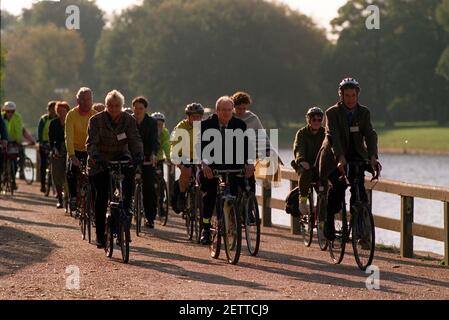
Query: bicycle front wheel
column 48, row 182
column 322, row 241
column 28, row 169
column 138, row 209
column 109, row 237
column 306, row 225
column 252, row 224
column 163, row 203
column 363, row 236
column 232, row 233
column 215, row 245
column 123, row 238
column 198, row 223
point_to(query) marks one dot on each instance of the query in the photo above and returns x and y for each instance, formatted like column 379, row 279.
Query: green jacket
column 343, row 140
column 307, row 145
column 14, row 127
column 164, row 146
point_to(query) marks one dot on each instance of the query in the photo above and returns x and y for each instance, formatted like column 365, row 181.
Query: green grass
column 427, row 139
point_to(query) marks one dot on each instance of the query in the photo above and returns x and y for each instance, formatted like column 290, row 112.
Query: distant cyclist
column 43, row 140
column 163, row 154
column 306, row 147
column 349, row 136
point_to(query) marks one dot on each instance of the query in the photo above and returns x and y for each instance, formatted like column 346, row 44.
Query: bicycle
column 8, row 177
column 48, row 178
column 358, row 227
column 226, row 224
column 307, row 223
column 137, row 204
column 161, row 196
column 249, row 213
column 26, row 167
column 193, row 211
column 118, row 222
column 85, row 206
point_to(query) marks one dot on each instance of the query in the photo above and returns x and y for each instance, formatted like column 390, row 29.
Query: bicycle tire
column 215, row 231
column 123, row 238
column 198, row 223
column 363, row 257
column 109, row 237
column 338, row 245
column 322, row 241
column 138, row 209
column 48, row 183
column 163, row 203
column 89, row 211
column 306, row 225
column 28, row 169
column 232, row 232
column 252, row 210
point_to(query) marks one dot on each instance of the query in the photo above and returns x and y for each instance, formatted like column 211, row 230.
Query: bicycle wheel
column 198, row 223
column 190, row 211
column 163, row 203
column 337, row 247
column 83, row 217
column 215, row 231
column 363, row 236
column 252, row 224
column 28, row 169
column 322, row 241
column 306, row 224
column 232, row 234
column 138, row 208
column 12, row 178
column 89, row 214
column 48, row 182
column 123, row 238
column 109, row 237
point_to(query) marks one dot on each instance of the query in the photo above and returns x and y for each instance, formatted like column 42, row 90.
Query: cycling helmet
column 158, row 116
column 194, row 108
column 9, row 106
column 349, row 83
column 314, row 111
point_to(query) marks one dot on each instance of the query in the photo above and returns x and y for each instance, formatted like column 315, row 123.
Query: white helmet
column 158, row 116
column 9, row 106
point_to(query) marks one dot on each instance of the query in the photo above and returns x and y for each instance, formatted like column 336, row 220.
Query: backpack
column 292, row 203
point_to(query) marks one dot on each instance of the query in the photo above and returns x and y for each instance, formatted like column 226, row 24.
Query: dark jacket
column 3, row 130
column 56, row 135
column 240, row 152
column 149, row 134
column 307, row 145
column 107, row 141
column 356, row 140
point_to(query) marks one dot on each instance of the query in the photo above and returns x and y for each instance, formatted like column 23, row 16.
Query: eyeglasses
column 316, row 120
column 9, row 111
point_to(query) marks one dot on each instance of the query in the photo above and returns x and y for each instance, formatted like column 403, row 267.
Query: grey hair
column 114, row 94
column 223, row 99
column 83, row 90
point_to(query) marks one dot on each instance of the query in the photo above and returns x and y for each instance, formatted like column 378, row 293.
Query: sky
column 321, row 11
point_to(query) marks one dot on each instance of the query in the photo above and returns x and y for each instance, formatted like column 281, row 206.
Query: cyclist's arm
column 332, row 130
column 69, row 135
column 299, row 147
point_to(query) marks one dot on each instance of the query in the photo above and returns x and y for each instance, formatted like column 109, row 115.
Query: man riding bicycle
column 164, row 140
column 43, row 140
column 306, row 147
column 194, row 112
column 224, row 123
column 112, row 136
column 349, row 136
column 75, row 139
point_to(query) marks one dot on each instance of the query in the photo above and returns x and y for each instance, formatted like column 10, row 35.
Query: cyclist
column 75, row 138
column 59, row 152
column 306, row 147
column 42, row 139
column 112, row 135
column 147, row 127
column 349, row 136
column 14, row 126
column 194, row 112
column 164, row 140
column 222, row 120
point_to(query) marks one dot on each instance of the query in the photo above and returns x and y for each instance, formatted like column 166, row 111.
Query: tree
column 8, row 21
column 2, row 68
column 91, row 26
column 41, row 59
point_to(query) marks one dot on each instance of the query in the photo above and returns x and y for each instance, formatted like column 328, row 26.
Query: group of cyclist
column 92, row 135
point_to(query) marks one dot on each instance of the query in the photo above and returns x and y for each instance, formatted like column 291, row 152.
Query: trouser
column 337, row 191
column 149, row 192
column 58, row 173
column 209, row 188
column 73, row 172
column 306, row 177
column 100, row 186
column 43, row 152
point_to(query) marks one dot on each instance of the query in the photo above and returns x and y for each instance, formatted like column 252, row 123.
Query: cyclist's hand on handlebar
column 207, row 171
column 75, row 161
column 249, row 170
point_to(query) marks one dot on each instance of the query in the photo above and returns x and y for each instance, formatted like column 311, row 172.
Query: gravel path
column 38, row 243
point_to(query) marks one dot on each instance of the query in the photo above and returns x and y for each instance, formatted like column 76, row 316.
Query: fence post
column 294, row 221
column 407, row 226
column 446, row 233
column 266, row 209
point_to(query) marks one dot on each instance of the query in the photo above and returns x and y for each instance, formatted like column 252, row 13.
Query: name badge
column 354, row 129
column 121, row 136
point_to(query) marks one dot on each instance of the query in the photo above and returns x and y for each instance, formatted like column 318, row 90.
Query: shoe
column 101, row 245
column 329, row 230
column 149, row 224
column 206, row 237
column 59, row 205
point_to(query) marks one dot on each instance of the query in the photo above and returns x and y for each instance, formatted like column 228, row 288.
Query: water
column 420, row 169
